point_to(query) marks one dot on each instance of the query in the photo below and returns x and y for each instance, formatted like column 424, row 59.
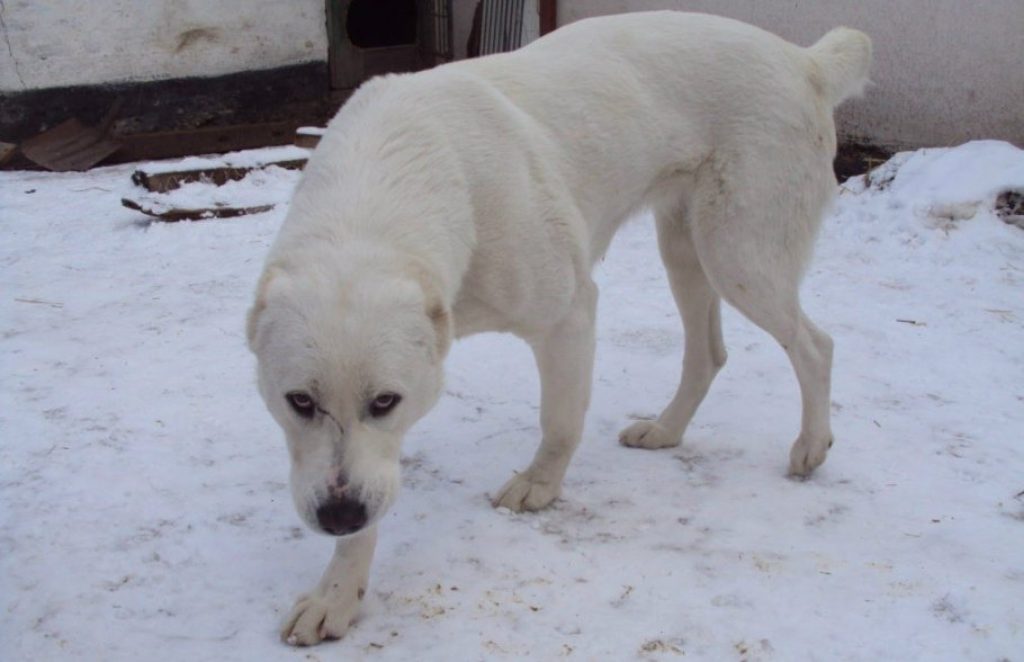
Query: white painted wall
column 52, row 43
column 945, row 71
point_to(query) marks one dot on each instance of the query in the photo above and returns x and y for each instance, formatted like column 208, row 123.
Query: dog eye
column 301, row 403
column 383, row 404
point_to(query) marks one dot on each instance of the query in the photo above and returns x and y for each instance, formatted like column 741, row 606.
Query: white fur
column 478, row 195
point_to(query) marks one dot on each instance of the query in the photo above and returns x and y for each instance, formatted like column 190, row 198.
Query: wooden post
column 548, row 16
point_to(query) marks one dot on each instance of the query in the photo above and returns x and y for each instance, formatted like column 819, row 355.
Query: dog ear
column 441, row 318
column 258, row 306
column 437, row 312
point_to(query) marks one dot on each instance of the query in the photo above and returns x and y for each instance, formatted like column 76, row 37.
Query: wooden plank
column 7, row 152
column 306, row 140
column 162, row 182
column 174, row 215
column 170, row 144
column 308, row 136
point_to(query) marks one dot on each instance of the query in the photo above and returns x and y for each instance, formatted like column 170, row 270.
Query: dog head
column 347, row 362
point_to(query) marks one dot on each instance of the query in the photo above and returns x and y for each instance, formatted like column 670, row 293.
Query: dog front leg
column 565, row 359
column 328, row 611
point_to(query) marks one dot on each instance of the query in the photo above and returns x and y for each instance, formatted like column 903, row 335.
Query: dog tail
column 843, row 57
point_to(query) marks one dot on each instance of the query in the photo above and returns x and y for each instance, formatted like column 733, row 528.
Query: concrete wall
column 945, row 71
column 54, row 43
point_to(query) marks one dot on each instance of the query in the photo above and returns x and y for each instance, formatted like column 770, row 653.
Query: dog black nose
column 340, row 516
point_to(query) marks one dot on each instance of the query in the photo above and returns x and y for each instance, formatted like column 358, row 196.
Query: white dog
column 477, row 196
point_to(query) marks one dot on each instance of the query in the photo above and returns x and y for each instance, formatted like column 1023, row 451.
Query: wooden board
column 162, row 182
column 170, row 144
column 174, row 215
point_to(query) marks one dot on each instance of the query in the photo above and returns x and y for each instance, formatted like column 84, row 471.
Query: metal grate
column 501, row 26
column 436, row 27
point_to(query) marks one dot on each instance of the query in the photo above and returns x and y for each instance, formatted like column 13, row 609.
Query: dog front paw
column 318, row 617
column 647, row 434
column 807, row 455
column 525, row 492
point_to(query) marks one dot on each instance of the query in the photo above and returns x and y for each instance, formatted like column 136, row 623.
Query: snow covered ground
column 144, row 512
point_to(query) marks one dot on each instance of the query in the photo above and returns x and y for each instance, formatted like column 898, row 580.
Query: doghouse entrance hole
column 382, row 23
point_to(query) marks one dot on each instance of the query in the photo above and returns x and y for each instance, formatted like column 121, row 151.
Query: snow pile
column 948, row 185
column 146, row 512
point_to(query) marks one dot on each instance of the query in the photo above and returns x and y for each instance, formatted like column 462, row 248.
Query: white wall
column 946, row 71
column 52, row 43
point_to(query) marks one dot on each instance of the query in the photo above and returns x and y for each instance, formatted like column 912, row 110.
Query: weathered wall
column 51, row 43
column 945, row 71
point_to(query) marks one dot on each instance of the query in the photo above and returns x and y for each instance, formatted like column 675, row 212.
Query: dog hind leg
column 700, row 309
column 754, row 240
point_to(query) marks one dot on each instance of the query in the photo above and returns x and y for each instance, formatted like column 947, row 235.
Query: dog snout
column 341, row 515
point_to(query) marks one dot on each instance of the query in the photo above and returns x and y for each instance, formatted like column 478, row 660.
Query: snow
column 271, row 185
column 145, row 512
column 250, row 158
